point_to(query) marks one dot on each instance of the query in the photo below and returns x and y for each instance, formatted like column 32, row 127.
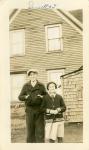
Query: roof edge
column 13, row 15
column 75, row 23
column 81, row 68
column 63, row 13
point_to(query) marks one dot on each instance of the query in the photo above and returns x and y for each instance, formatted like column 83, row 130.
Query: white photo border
column 5, row 121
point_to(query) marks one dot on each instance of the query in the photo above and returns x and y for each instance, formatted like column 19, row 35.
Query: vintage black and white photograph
column 46, row 75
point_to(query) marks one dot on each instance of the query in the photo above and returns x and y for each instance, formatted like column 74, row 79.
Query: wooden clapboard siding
column 36, row 56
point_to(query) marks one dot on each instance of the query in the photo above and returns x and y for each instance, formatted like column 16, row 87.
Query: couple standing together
column 44, row 110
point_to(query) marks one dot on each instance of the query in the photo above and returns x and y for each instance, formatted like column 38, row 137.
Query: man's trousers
column 35, row 126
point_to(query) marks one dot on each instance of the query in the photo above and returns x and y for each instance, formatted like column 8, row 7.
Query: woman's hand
column 53, row 111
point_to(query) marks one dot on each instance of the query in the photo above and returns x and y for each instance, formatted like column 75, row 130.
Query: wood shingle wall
column 73, row 95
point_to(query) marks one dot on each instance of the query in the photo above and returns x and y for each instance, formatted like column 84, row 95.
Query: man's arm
column 23, row 94
column 43, row 89
column 43, row 106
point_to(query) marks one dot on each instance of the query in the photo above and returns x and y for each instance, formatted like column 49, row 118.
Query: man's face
column 33, row 76
column 52, row 88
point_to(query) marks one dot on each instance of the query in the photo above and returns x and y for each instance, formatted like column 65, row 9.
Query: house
column 49, row 40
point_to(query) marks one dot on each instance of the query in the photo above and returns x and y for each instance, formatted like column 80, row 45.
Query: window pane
column 17, row 81
column 54, row 44
column 54, row 76
column 53, row 32
column 17, row 48
column 14, row 95
column 17, row 36
column 17, row 42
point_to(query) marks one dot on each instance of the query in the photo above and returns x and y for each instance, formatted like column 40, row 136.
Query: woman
column 53, row 105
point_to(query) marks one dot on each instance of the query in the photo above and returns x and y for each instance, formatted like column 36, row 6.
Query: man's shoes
column 51, row 141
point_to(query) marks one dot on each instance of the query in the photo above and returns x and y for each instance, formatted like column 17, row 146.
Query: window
column 53, row 37
column 54, row 75
column 17, row 42
column 17, row 81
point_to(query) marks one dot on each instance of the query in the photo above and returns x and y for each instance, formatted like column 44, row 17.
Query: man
column 32, row 93
column 53, row 105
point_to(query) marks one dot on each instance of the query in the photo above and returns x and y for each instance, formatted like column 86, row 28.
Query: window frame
column 54, row 71
column 23, row 50
column 60, row 37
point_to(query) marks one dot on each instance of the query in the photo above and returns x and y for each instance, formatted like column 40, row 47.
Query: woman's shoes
column 60, row 140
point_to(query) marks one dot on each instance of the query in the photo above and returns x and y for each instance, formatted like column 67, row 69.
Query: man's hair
column 51, row 83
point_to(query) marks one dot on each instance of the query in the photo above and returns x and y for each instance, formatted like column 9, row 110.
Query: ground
column 73, row 131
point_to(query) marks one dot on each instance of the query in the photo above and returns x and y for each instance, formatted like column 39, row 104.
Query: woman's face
column 52, row 88
column 33, row 76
